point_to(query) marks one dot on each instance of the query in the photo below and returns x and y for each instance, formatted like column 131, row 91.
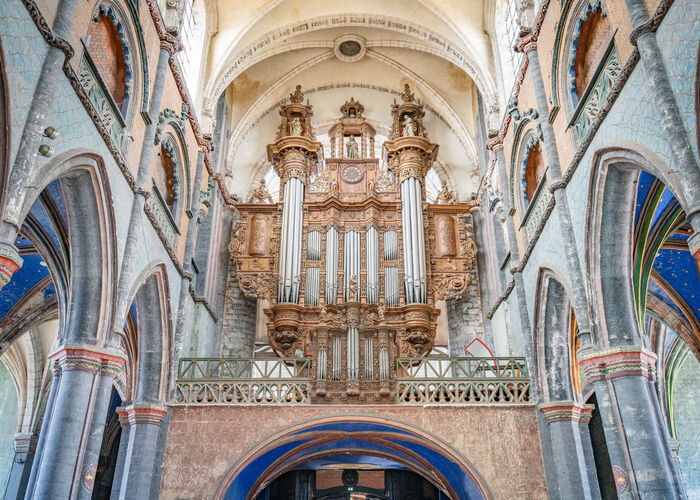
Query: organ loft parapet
column 352, row 258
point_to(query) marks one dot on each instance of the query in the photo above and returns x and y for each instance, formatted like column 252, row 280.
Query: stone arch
column 151, row 301
column 552, row 337
column 609, row 248
column 282, row 451
column 91, row 242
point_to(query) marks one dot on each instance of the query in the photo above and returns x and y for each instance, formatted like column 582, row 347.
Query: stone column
column 182, row 339
column 528, row 45
column 625, row 398
column 143, row 181
column 524, row 334
column 685, row 166
column 573, row 461
column 141, row 426
column 72, row 431
column 25, row 448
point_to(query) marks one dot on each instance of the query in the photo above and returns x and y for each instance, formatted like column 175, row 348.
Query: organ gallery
column 351, row 260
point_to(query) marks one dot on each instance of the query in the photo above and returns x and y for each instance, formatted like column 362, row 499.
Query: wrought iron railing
column 291, row 380
column 462, row 380
column 243, row 381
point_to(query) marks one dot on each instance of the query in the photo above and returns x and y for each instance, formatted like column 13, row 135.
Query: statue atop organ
column 352, row 259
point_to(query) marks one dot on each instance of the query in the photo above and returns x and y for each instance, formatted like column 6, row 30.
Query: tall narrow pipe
column 406, row 232
column 283, row 244
column 421, row 244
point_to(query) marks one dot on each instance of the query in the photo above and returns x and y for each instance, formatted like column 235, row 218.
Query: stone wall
column 464, row 316
column 238, row 322
column 501, row 442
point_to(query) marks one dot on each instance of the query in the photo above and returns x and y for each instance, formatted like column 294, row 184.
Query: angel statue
column 409, row 127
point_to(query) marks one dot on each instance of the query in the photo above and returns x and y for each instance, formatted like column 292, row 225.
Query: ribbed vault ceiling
column 260, row 50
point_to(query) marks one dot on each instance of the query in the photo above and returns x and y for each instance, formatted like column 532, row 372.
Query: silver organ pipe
column 312, row 281
column 331, row 266
column 407, row 259
column 313, row 247
column 391, row 246
column 391, row 286
column 353, row 352
column 337, row 358
column 384, row 363
column 297, row 237
column 414, row 241
column 284, row 244
column 369, row 359
column 351, row 264
column 372, row 266
column 322, row 362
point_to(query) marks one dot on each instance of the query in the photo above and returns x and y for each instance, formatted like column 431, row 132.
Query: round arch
column 358, row 435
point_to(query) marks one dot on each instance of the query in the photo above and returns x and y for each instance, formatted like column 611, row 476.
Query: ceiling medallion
column 350, row 48
column 352, row 174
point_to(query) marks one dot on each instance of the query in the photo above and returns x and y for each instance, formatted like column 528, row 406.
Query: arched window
column 166, row 176
column 591, row 39
column 108, row 50
column 534, row 167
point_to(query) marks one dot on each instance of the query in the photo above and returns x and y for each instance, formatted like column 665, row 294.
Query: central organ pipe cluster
column 351, row 266
column 372, row 266
column 290, row 245
column 415, row 279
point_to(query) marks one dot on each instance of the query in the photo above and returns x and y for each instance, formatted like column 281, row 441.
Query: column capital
column 91, row 359
column 141, row 413
column 171, row 44
column 495, row 143
column 527, row 43
column 10, row 262
column 410, row 157
column 24, row 443
column 628, row 361
column 566, row 411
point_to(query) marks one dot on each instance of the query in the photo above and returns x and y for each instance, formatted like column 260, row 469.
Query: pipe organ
column 351, row 260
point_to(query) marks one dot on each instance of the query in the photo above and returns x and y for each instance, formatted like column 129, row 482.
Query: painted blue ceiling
column 656, row 213
column 47, row 220
column 364, row 461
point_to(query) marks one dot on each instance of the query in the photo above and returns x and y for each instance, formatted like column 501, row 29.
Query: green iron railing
column 243, row 381
column 462, row 380
column 291, row 381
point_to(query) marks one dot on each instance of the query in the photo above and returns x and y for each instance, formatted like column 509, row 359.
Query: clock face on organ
column 352, row 174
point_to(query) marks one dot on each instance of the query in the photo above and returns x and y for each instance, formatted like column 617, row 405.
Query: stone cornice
column 140, row 413
column 628, row 361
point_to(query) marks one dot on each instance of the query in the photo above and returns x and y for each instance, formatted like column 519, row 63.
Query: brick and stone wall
column 464, row 316
column 502, row 443
column 238, row 327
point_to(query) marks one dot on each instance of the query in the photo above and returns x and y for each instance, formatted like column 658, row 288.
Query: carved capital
column 144, row 414
column 527, row 43
column 566, row 411
column 629, row 361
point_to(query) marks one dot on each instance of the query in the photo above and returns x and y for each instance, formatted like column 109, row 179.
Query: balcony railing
column 243, row 381
column 462, row 380
column 292, row 381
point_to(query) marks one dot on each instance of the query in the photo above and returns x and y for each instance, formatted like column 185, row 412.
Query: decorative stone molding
column 138, row 413
column 10, row 262
column 631, row 361
column 90, row 359
column 566, row 411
